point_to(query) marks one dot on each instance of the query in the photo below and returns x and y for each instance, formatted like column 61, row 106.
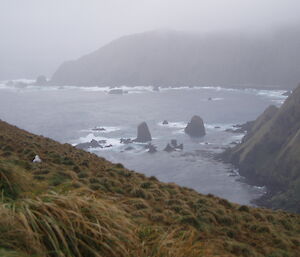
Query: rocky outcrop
column 173, row 146
column 92, row 144
column 151, row 148
column 126, row 141
column 195, row 128
column 270, row 154
column 169, row 148
column 143, row 133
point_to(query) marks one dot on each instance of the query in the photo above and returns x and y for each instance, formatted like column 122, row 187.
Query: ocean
column 71, row 114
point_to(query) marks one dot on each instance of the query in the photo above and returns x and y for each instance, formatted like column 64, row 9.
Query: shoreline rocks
column 173, row 146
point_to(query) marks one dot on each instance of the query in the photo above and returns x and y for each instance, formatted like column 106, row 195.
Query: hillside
column 174, row 58
column 270, row 154
column 74, row 203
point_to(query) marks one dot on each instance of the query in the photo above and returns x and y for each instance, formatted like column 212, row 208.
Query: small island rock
column 195, row 128
column 143, row 133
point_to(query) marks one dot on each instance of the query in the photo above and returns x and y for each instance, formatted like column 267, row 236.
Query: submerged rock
column 151, row 148
column 41, row 80
column 195, row 128
column 117, row 92
column 126, row 141
column 174, row 143
column 169, row 148
column 155, row 88
column 129, row 148
column 99, row 129
column 179, row 147
column 143, row 133
column 173, row 146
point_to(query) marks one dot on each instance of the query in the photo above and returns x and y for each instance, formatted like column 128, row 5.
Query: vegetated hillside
column 77, row 204
column 174, row 58
column 270, row 154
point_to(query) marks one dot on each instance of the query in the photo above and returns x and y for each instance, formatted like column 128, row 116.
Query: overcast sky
column 38, row 35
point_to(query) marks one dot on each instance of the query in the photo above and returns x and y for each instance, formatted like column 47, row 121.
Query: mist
column 37, row 36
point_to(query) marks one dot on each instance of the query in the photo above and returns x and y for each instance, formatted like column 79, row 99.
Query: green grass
column 77, row 204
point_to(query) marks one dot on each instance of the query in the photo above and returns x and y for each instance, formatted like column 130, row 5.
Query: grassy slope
column 77, row 204
column 270, row 154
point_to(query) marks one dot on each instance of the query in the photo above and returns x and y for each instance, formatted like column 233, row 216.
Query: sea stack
column 143, row 133
column 195, row 128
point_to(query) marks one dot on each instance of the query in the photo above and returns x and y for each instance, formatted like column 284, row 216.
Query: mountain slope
column 172, row 58
column 74, row 203
column 270, row 153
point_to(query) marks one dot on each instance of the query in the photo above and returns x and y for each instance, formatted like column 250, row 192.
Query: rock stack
column 143, row 133
column 195, row 128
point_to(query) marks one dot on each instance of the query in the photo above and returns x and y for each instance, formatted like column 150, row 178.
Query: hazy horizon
column 40, row 35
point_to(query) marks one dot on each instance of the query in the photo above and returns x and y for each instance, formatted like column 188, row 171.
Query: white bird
column 37, row 159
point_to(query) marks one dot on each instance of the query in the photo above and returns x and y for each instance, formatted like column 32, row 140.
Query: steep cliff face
column 174, row 58
column 270, row 153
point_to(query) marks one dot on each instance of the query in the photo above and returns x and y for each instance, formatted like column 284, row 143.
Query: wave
column 112, row 142
column 102, row 129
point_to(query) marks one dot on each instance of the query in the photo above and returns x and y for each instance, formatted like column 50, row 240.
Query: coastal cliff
column 270, row 154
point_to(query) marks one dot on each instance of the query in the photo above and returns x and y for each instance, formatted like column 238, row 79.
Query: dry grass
column 72, row 225
column 77, row 204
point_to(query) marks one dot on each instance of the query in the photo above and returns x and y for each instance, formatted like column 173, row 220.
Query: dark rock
column 99, row 129
column 152, row 148
column 155, row 88
column 117, row 92
column 174, row 143
column 195, row 127
column 92, row 144
column 41, row 80
column 209, row 99
column 179, row 147
column 126, row 141
column 165, row 122
column 169, row 148
column 128, row 148
column 143, row 133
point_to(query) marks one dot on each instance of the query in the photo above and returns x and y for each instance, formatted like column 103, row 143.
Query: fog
column 37, row 36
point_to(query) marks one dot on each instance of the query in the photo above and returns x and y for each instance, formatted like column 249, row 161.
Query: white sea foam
column 106, row 130
column 219, row 126
column 174, row 124
column 109, row 141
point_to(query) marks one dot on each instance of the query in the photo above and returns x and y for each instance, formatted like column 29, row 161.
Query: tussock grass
column 77, row 204
column 71, row 225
